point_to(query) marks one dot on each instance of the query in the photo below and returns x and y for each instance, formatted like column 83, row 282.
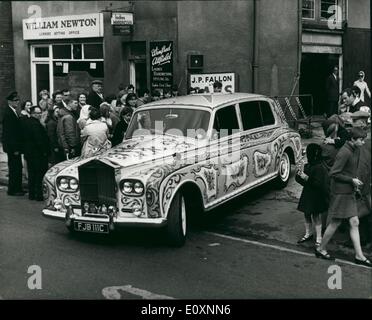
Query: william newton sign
column 79, row 26
column 161, row 55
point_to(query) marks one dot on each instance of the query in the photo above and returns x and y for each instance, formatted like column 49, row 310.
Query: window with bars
column 329, row 8
column 308, row 9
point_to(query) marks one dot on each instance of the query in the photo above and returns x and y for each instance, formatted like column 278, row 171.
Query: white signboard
column 205, row 81
column 77, row 26
column 122, row 18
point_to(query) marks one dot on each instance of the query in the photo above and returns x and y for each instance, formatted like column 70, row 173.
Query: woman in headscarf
column 84, row 116
column 94, row 135
column 362, row 85
column 108, row 117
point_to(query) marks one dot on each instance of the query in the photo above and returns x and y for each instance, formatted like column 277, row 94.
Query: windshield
column 191, row 123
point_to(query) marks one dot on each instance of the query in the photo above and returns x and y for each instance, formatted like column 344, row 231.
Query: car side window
column 251, row 115
column 267, row 113
column 226, row 121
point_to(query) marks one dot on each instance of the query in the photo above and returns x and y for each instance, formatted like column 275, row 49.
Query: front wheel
column 176, row 221
column 284, row 171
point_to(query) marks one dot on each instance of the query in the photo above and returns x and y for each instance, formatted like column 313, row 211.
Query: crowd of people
column 61, row 127
column 336, row 179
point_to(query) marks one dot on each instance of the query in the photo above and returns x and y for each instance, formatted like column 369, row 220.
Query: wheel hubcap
column 284, row 167
column 183, row 216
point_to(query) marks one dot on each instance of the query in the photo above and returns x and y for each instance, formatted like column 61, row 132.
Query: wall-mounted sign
column 122, row 23
column 161, row 57
column 77, row 26
column 205, row 81
column 122, row 18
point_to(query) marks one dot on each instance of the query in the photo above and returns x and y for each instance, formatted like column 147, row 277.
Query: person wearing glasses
column 12, row 140
column 362, row 85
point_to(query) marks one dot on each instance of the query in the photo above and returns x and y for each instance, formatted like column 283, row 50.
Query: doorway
column 138, row 75
column 315, row 69
column 40, row 79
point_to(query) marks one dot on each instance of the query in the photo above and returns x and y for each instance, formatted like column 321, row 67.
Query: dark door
column 315, row 68
column 141, row 76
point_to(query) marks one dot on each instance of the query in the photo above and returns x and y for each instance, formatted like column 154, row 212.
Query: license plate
column 91, row 227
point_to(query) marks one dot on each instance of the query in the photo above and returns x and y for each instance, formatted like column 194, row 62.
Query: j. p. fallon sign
column 77, row 26
column 205, row 81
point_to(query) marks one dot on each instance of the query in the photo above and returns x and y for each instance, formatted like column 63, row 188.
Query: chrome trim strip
column 240, row 190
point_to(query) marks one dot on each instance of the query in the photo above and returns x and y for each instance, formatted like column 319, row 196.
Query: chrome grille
column 97, row 187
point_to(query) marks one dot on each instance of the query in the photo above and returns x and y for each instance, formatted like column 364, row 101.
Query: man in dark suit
column 95, row 96
column 12, row 139
column 332, row 89
column 36, row 150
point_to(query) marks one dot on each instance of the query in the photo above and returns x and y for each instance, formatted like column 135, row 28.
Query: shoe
column 365, row 262
column 305, row 238
column 325, row 256
column 317, row 244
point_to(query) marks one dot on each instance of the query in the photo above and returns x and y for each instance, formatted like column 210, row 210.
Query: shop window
column 62, row 51
column 93, row 51
column 63, row 68
column 308, row 9
column 41, row 52
column 77, row 51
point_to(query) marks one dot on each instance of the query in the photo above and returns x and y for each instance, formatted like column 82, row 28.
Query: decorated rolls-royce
column 180, row 158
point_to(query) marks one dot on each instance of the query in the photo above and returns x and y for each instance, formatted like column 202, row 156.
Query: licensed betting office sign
column 77, row 26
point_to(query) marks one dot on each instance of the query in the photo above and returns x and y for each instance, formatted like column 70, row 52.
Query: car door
column 258, row 124
column 232, row 170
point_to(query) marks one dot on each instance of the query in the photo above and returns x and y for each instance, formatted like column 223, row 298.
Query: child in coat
column 315, row 194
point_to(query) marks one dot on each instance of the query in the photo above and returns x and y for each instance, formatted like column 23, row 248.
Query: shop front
column 65, row 52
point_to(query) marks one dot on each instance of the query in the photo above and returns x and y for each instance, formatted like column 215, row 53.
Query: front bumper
column 117, row 221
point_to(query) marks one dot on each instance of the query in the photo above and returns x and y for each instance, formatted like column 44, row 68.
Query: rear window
column 256, row 114
column 267, row 114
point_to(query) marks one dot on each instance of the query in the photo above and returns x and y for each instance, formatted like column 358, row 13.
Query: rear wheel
column 284, row 171
column 176, row 221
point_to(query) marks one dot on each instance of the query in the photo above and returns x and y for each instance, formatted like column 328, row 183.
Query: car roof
column 206, row 100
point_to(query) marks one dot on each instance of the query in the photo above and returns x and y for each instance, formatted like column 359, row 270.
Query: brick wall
column 6, row 54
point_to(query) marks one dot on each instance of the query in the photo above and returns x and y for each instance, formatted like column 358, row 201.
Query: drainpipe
column 299, row 46
column 255, row 47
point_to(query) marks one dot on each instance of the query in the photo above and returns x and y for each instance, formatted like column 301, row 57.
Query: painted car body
column 219, row 168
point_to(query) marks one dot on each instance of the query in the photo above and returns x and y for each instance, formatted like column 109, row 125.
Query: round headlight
column 138, row 187
column 128, row 187
column 74, row 184
column 63, row 183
